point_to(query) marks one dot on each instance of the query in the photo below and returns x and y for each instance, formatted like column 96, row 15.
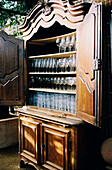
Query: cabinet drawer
column 55, row 147
column 29, row 139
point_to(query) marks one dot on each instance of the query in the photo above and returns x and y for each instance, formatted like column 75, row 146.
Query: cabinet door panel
column 29, row 139
column 88, row 75
column 55, row 147
column 11, row 70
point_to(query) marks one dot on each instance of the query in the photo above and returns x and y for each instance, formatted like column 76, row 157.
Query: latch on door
column 96, row 64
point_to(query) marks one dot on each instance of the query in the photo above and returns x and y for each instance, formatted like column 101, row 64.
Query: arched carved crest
column 47, row 12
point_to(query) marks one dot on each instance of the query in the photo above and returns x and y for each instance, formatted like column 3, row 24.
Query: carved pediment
column 47, row 12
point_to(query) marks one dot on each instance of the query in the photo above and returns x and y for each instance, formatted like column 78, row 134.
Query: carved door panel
column 29, row 139
column 11, row 70
column 55, row 147
column 88, row 73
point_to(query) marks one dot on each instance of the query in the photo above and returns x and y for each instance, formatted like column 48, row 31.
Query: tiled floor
column 9, row 159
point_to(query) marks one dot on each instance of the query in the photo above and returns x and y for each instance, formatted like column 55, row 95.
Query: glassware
column 48, row 100
column 47, row 64
column 52, row 83
column 66, row 63
column 57, row 81
column 53, row 65
column 72, row 43
column 39, row 65
column 58, row 43
column 65, row 83
column 70, row 82
column 36, row 65
column 70, row 63
column 74, row 62
column 50, row 64
column 67, row 43
column 62, row 45
column 61, row 64
column 60, row 101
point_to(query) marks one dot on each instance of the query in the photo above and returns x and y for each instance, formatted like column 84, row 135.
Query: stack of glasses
column 66, row 43
column 58, row 83
column 49, row 65
column 62, row 102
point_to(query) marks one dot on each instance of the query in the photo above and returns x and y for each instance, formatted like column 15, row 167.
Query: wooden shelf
column 50, row 40
column 56, row 55
column 53, row 90
column 51, row 73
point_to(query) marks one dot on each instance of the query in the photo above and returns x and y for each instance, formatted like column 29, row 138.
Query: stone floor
column 9, row 159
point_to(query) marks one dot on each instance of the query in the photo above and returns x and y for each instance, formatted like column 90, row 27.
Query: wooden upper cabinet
column 88, row 73
column 11, row 70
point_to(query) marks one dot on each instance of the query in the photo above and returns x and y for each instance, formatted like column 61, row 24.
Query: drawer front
column 55, row 147
column 29, row 139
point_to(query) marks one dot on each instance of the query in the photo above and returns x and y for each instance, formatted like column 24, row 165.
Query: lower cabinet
column 55, row 147
column 47, row 144
column 30, row 139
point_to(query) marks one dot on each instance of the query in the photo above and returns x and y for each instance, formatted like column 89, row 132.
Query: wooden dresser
column 66, row 85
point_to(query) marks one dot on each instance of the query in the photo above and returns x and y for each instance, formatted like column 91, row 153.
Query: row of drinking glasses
column 66, row 43
column 62, row 102
column 53, row 64
column 60, row 83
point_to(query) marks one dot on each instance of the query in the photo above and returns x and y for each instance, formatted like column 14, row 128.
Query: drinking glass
column 61, row 64
column 65, row 83
column 48, row 100
column 53, row 65
column 61, row 83
column 60, row 101
column 58, row 81
column 74, row 62
column 72, row 43
column 62, row 45
column 55, row 82
column 70, row 82
column 44, row 65
column 67, row 43
column 70, row 63
column 52, row 83
column 39, row 65
column 66, row 63
column 58, row 43
column 50, row 64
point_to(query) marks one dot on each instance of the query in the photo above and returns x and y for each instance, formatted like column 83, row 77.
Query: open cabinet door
column 11, row 70
column 88, row 66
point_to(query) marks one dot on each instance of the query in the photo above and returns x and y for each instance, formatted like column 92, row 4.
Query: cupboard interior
column 52, row 73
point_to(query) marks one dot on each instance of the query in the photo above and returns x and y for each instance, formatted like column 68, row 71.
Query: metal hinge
column 96, row 64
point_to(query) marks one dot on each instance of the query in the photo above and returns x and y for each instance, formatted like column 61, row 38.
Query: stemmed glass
column 74, row 61
column 70, row 82
column 67, row 43
column 39, row 65
column 52, row 83
column 50, row 64
column 72, row 43
column 44, row 64
column 61, row 64
column 70, row 61
column 56, row 83
column 61, row 83
column 74, row 84
column 47, row 64
column 66, row 63
column 65, row 83
column 62, row 44
column 58, row 43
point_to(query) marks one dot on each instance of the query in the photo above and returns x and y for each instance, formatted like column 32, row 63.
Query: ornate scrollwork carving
column 46, row 7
